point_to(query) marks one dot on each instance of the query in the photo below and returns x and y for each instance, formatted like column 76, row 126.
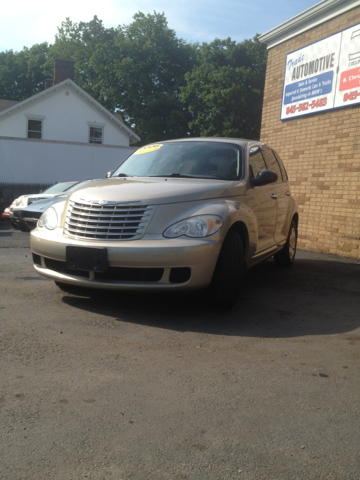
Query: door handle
column 274, row 196
column 288, row 194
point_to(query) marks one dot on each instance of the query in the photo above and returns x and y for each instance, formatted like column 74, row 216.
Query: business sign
column 323, row 76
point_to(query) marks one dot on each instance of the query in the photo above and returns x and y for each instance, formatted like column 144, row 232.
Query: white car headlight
column 201, row 226
column 49, row 219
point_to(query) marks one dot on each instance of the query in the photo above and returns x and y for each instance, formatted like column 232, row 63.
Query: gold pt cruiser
column 176, row 215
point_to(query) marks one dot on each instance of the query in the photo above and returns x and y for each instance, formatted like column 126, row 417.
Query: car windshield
column 60, row 187
column 184, row 159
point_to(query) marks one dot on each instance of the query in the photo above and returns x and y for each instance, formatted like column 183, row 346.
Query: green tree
column 163, row 87
column 22, row 74
column 150, row 70
column 81, row 43
column 224, row 91
column 136, row 70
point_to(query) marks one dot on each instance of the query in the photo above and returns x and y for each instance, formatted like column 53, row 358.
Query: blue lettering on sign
column 309, row 88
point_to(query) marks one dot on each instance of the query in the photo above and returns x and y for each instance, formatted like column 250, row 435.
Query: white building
column 60, row 134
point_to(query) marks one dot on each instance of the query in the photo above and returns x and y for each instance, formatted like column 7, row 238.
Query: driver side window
column 256, row 162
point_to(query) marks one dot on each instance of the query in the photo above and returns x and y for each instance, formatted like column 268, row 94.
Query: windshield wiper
column 124, row 175
column 176, row 175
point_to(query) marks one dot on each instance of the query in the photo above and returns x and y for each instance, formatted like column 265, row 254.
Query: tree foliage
column 163, row 87
column 82, row 42
column 136, row 69
column 22, row 74
column 150, row 70
column 224, row 90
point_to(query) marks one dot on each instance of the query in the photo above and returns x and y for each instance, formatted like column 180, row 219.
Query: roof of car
column 240, row 141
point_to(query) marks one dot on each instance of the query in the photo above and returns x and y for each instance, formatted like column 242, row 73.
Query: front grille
column 107, row 222
column 128, row 274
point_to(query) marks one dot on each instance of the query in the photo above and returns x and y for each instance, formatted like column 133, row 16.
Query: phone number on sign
column 302, row 107
column 351, row 96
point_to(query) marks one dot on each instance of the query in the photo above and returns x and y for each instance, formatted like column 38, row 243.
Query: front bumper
column 149, row 263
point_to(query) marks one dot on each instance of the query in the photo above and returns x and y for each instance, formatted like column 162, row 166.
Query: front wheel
column 229, row 272
column 286, row 256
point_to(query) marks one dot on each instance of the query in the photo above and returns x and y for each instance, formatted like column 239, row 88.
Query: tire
column 229, row 272
column 286, row 256
column 24, row 228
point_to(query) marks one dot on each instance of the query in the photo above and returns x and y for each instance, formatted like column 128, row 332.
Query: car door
column 280, row 190
column 262, row 203
column 289, row 201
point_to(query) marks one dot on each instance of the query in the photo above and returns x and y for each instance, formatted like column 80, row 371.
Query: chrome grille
column 111, row 221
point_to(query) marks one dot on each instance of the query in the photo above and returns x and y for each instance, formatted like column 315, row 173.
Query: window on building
column 34, row 129
column 96, row 135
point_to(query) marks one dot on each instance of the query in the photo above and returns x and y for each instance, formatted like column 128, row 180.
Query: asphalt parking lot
column 137, row 386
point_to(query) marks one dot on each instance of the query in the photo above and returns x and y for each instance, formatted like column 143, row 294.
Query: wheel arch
column 296, row 219
column 241, row 229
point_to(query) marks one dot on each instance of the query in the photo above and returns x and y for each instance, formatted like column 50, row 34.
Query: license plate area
column 87, row 259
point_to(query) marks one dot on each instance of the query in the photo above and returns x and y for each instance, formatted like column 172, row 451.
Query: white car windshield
column 185, row 159
column 59, row 187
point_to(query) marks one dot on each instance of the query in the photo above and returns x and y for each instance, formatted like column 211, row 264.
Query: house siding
column 66, row 118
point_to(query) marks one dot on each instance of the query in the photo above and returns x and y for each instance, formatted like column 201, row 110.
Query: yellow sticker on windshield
column 148, row 148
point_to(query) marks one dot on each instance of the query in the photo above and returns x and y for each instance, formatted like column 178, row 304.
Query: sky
column 24, row 23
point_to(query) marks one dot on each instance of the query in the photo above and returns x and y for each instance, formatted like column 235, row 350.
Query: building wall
column 41, row 161
column 321, row 153
column 66, row 117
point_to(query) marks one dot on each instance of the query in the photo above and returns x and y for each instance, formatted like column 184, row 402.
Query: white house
column 59, row 134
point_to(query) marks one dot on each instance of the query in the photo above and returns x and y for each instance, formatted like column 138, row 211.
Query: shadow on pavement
column 6, row 230
column 314, row 297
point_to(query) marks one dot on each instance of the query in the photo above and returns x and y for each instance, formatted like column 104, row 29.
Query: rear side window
column 285, row 177
column 272, row 163
column 256, row 162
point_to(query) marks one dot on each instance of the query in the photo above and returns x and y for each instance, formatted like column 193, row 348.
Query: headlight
column 48, row 219
column 201, row 226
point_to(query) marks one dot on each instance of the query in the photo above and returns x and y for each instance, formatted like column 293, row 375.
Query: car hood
column 44, row 204
column 41, row 196
column 157, row 191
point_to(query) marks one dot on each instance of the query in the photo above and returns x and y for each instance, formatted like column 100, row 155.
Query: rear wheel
column 229, row 272
column 286, row 256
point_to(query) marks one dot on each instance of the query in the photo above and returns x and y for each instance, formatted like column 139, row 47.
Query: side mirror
column 264, row 178
column 108, row 175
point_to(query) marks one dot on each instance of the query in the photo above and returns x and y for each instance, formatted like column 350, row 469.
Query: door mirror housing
column 264, row 178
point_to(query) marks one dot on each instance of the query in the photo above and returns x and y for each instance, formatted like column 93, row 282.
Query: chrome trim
column 101, row 209
column 108, row 202
column 107, row 221
column 113, row 221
